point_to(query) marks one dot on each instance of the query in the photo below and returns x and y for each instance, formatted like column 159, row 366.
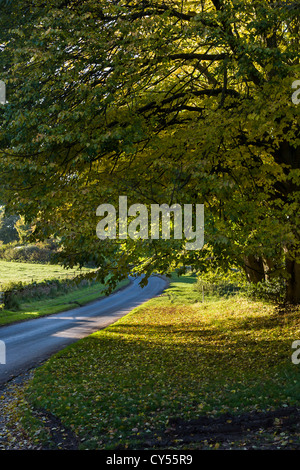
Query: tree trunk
column 254, row 268
column 293, row 283
column 269, row 268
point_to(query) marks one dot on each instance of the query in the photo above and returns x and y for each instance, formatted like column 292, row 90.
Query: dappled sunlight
column 166, row 359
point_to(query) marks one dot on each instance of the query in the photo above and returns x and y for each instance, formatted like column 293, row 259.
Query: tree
column 8, row 232
column 23, row 230
column 163, row 101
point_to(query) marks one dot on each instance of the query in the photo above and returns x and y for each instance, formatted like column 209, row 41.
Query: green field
column 173, row 358
column 27, row 272
column 11, row 271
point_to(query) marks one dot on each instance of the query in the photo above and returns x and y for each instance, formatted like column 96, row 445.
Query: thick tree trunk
column 288, row 155
column 254, row 268
column 293, row 283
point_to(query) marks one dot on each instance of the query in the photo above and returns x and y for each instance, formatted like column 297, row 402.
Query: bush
column 11, row 302
column 31, row 253
column 220, row 284
column 272, row 290
column 16, row 292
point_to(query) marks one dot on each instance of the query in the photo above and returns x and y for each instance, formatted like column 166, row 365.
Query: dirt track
column 278, row 429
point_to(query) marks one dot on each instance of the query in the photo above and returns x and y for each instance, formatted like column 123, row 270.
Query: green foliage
column 23, row 229
column 27, row 253
column 8, row 231
column 220, row 284
column 164, row 102
column 16, row 293
column 217, row 284
column 273, row 290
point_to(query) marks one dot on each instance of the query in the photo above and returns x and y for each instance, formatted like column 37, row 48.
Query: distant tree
column 24, row 230
column 163, row 101
column 8, row 232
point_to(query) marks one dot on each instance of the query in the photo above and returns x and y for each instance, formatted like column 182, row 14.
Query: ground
column 273, row 430
column 174, row 374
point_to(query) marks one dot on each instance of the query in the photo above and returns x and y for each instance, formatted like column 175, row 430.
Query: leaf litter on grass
column 123, row 386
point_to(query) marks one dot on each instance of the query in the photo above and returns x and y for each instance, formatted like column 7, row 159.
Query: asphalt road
column 29, row 343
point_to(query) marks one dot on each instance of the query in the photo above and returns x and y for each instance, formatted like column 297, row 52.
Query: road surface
column 29, row 343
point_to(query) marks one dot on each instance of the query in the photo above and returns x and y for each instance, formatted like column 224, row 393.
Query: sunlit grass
column 173, row 356
column 63, row 302
column 11, row 271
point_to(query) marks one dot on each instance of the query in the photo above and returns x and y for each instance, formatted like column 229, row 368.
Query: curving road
column 29, row 343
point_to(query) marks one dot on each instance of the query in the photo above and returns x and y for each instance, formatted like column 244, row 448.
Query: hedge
column 15, row 292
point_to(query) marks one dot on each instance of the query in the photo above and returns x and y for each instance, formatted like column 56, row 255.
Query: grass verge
column 60, row 303
column 171, row 360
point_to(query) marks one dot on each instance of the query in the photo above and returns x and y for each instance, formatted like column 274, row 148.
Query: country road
column 29, row 343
